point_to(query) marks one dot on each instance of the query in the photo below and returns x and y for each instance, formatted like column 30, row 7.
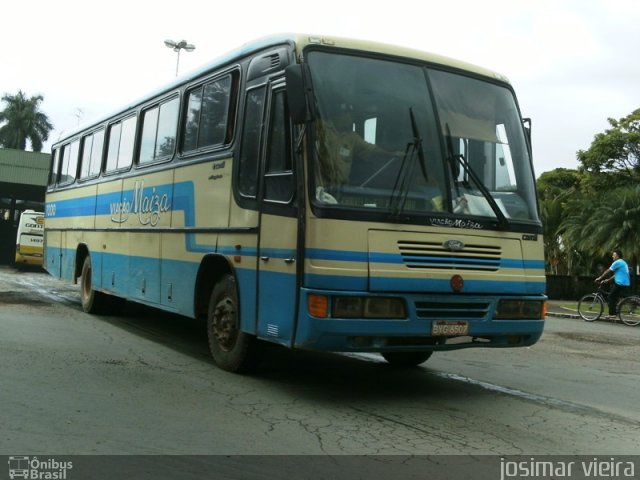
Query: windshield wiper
column 459, row 159
column 404, row 179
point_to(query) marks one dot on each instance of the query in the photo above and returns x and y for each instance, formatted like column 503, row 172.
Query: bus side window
column 121, row 142
column 250, row 148
column 91, row 154
column 96, row 153
column 208, row 115
column 69, row 162
column 53, row 174
column 215, row 108
column 279, row 185
column 159, row 132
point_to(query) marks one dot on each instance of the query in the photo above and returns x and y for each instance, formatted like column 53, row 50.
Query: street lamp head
column 186, row 46
column 177, row 46
column 181, row 45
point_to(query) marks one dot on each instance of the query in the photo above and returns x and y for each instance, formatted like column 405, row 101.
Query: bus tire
column 232, row 349
column 92, row 301
column 406, row 359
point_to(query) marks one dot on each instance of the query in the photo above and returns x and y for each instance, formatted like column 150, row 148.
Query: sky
column 573, row 63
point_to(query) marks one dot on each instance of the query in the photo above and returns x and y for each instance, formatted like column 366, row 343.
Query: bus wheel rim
column 225, row 327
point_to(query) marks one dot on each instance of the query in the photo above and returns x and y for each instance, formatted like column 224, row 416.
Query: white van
column 30, row 238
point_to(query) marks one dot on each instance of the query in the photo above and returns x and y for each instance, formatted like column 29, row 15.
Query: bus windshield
column 400, row 138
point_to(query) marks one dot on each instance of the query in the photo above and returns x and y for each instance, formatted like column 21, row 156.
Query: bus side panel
column 68, row 209
column 241, row 251
column 53, row 253
column 244, row 248
column 114, row 267
column 277, row 283
column 178, row 279
column 108, row 205
column 108, row 261
column 144, row 266
column 67, row 259
column 246, row 279
column 147, row 200
column 200, row 209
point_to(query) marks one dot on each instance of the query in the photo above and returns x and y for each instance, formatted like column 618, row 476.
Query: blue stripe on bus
column 395, row 258
column 336, row 255
column 182, row 195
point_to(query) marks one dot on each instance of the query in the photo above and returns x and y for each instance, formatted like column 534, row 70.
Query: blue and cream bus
column 314, row 192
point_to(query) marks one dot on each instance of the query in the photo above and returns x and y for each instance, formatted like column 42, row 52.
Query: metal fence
column 567, row 287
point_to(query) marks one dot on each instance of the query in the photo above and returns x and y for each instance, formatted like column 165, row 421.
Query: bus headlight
column 520, row 310
column 368, row 307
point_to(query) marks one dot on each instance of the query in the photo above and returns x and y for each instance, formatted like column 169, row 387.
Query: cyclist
column 618, row 275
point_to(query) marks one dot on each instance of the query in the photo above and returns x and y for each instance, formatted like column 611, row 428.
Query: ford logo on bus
column 453, row 245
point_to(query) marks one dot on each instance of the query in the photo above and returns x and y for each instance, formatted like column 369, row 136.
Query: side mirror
column 298, row 94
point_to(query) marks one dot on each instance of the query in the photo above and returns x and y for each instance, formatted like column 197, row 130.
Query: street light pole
column 177, row 46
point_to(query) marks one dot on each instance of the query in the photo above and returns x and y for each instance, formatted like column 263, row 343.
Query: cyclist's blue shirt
column 621, row 272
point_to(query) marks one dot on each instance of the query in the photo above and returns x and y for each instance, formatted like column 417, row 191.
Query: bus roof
column 300, row 41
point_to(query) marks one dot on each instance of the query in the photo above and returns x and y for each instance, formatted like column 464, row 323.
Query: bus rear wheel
column 232, row 349
column 406, row 359
column 92, row 301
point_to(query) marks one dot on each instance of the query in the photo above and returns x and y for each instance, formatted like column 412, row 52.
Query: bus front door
column 277, row 283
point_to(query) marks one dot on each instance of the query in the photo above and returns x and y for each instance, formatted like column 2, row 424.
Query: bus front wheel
column 232, row 349
column 406, row 359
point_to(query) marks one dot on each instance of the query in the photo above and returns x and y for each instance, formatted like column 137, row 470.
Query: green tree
column 576, row 231
column 616, row 150
column 556, row 189
column 600, row 224
column 557, row 182
column 619, row 223
column 23, row 120
column 602, row 211
column 551, row 210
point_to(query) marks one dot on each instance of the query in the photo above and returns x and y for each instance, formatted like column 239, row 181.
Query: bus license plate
column 445, row 328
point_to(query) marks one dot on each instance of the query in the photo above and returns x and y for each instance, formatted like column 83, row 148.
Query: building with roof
column 23, row 182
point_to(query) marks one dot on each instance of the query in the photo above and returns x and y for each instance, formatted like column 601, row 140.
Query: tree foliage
column 589, row 212
column 22, row 121
column 616, row 150
column 557, row 182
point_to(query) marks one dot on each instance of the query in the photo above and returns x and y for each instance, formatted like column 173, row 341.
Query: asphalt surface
column 560, row 308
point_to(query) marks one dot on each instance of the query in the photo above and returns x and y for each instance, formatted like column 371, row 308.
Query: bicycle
column 591, row 306
column 629, row 310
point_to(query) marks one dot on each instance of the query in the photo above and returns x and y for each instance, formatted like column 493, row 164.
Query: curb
column 578, row 317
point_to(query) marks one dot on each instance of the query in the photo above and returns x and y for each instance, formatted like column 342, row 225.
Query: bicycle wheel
column 590, row 307
column 629, row 311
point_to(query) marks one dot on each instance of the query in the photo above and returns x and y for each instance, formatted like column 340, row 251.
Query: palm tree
column 23, row 121
column 597, row 227
column 619, row 219
column 582, row 248
column 552, row 211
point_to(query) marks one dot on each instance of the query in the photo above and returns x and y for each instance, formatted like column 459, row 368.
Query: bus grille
column 433, row 255
column 442, row 310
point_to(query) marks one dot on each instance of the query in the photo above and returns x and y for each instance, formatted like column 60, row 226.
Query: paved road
column 143, row 383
